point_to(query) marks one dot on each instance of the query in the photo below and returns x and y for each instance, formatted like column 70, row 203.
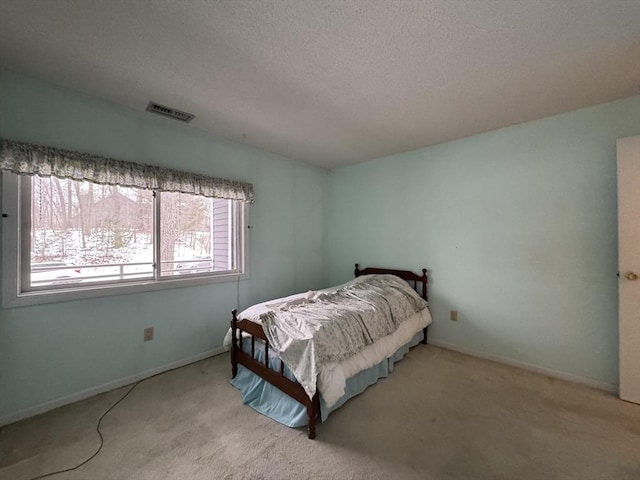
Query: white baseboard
column 90, row 392
column 608, row 387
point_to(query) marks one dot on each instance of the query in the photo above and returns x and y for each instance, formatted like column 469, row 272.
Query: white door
column 629, row 266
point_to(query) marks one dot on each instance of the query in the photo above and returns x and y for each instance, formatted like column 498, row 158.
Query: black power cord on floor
column 99, row 434
column 84, row 462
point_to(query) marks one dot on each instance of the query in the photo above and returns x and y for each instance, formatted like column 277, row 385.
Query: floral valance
column 26, row 159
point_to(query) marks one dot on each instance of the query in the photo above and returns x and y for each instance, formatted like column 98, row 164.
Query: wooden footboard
column 265, row 369
column 272, row 369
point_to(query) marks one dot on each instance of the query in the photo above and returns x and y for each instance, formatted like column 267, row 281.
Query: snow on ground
column 106, row 247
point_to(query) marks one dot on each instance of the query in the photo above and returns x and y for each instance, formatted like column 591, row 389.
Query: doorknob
column 630, row 276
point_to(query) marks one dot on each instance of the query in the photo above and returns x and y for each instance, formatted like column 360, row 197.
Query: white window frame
column 15, row 260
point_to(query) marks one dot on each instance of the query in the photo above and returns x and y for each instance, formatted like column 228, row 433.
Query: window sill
column 26, row 299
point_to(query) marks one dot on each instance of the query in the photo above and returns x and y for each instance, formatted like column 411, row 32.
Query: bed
column 296, row 367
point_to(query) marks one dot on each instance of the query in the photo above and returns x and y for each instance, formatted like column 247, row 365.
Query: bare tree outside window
column 83, row 233
column 192, row 229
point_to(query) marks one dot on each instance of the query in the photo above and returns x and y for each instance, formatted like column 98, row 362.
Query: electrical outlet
column 453, row 316
column 148, row 334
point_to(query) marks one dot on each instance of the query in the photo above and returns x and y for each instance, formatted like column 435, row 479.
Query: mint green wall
column 518, row 229
column 53, row 351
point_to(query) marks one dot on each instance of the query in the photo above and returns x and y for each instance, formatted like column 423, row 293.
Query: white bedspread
column 332, row 375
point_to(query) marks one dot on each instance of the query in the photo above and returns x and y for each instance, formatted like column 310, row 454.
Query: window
column 77, row 239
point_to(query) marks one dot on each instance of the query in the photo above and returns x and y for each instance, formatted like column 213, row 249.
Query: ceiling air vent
column 170, row 112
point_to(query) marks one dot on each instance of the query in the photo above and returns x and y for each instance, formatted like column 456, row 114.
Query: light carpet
column 440, row 415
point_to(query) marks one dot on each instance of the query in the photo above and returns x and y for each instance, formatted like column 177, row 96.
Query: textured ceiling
column 333, row 82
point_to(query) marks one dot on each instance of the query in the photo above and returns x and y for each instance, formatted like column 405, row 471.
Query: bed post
column 424, row 283
column 313, row 410
column 424, row 295
column 234, row 344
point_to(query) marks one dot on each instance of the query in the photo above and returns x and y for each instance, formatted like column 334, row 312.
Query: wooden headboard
column 404, row 274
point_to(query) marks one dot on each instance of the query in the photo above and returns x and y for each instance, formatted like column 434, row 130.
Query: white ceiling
column 333, row 82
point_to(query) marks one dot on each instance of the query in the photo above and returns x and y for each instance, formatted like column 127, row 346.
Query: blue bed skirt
column 270, row 401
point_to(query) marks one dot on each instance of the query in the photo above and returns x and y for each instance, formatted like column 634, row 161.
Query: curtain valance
column 27, row 159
